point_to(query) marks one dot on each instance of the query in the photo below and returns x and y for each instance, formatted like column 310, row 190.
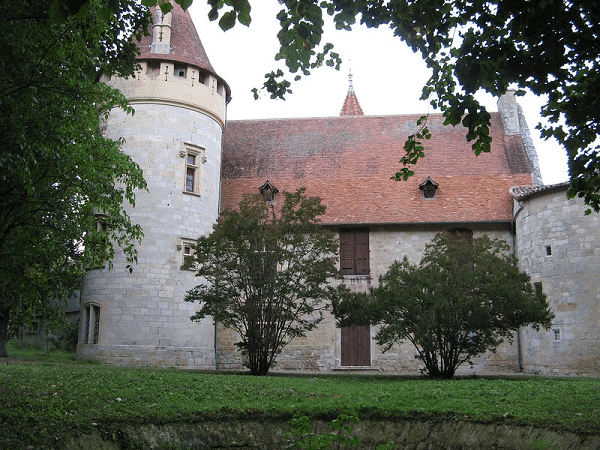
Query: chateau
column 197, row 163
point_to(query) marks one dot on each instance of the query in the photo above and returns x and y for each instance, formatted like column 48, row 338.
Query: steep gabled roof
column 348, row 162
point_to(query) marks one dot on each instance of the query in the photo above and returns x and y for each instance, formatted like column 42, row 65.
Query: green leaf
column 227, row 20
column 185, row 4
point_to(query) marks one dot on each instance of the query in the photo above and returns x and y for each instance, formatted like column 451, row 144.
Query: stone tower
column 140, row 318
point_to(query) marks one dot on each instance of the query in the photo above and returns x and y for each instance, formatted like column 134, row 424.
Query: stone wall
column 272, row 435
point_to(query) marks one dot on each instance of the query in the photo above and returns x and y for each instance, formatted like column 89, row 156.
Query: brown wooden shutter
column 356, row 346
column 354, row 252
column 346, row 252
column 362, row 252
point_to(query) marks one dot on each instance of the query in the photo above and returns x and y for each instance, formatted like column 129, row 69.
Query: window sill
column 357, row 279
column 192, row 193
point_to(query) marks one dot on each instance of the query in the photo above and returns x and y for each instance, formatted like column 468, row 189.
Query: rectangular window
column 187, row 247
column 33, row 328
column 354, row 252
column 556, row 335
column 179, row 71
column 193, row 157
column 153, row 67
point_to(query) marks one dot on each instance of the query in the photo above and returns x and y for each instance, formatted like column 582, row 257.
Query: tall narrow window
column 190, row 177
column 354, row 252
column 194, row 157
column 91, row 320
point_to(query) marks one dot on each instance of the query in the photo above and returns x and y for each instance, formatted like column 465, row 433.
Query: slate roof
column 348, row 162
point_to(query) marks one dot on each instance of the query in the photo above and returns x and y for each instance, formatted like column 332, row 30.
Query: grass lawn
column 46, row 397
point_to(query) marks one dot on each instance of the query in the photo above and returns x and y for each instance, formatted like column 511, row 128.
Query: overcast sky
column 387, row 77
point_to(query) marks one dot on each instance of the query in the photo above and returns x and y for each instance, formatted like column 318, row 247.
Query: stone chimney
column 514, row 123
column 161, row 32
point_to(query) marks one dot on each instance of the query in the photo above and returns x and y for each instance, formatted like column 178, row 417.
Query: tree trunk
column 3, row 330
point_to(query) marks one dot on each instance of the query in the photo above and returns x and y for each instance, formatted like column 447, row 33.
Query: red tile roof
column 525, row 192
column 351, row 106
column 348, row 162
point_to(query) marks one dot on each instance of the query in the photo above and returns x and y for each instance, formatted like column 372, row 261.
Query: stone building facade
column 140, row 318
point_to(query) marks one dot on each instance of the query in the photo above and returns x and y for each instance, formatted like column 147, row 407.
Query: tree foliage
column 60, row 177
column 265, row 273
column 461, row 300
column 548, row 48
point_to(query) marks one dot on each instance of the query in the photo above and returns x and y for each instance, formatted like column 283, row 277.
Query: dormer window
column 268, row 191
column 429, row 188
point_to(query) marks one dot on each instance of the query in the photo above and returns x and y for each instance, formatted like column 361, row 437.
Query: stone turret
column 175, row 136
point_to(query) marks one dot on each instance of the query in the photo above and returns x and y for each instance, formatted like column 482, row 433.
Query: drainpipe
column 216, row 347
column 514, row 251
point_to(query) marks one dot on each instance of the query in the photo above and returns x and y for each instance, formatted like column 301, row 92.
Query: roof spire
column 351, row 105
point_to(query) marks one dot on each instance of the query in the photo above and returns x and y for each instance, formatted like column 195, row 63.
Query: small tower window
column 153, row 67
column 548, row 250
column 179, row 71
column 429, row 188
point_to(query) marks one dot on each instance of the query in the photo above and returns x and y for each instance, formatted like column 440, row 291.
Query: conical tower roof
column 351, row 105
column 185, row 44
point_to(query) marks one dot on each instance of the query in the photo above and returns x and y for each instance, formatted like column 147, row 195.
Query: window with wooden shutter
column 354, row 252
